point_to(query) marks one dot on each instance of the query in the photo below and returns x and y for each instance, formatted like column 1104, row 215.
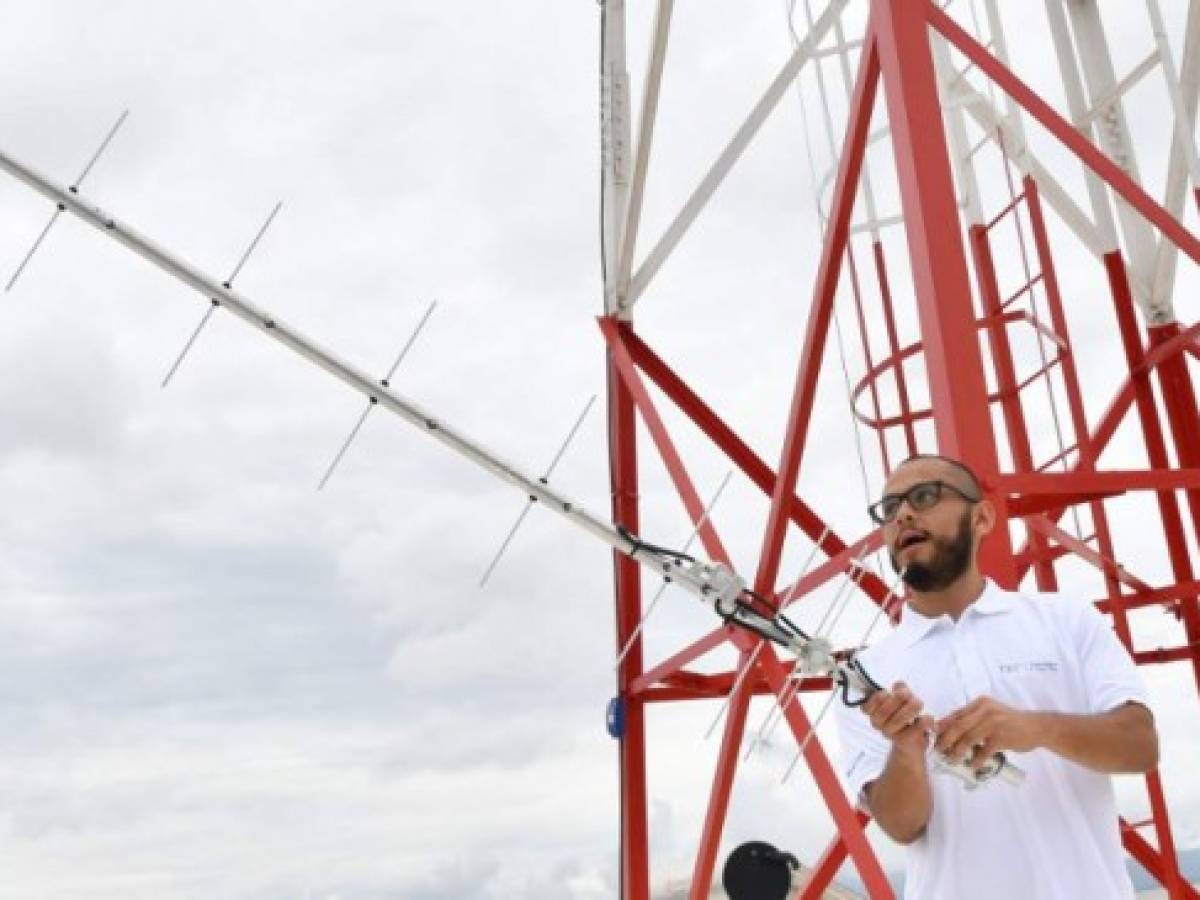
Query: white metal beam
column 614, row 143
column 641, row 161
column 732, row 152
column 1077, row 106
column 1000, row 130
column 1096, row 64
column 956, row 131
column 1123, row 87
column 1177, row 168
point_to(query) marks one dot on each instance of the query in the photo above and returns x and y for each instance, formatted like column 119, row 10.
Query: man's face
column 933, row 546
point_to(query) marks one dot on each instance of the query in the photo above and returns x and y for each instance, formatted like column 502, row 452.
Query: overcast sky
column 217, row 681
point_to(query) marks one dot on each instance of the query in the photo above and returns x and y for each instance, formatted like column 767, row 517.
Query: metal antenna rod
column 59, row 209
column 791, row 594
column 254, row 243
column 32, row 250
column 371, row 401
column 295, row 340
column 712, row 583
column 103, row 146
column 853, row 581
column 884, row 606
column 812, row 731
column 662, row 588
column 228, row 283
column 856, row 563
column 786, row 695
column 530, row 501
column 735, row 687
column 212, row 308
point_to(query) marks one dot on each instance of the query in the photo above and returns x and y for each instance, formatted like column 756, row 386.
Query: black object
column 757, row 871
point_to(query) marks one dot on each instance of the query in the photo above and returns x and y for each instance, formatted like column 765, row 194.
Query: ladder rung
column 1022, row 290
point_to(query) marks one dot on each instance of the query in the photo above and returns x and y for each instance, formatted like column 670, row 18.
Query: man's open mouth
column 910, row 538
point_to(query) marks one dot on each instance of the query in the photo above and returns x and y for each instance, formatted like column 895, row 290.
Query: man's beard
column 950, row 560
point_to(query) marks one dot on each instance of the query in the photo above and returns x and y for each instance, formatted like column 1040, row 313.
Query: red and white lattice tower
column 961, row 244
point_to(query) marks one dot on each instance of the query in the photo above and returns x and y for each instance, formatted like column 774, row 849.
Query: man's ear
column 985, row 517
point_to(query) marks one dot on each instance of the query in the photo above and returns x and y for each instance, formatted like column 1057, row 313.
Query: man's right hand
column 896, row 714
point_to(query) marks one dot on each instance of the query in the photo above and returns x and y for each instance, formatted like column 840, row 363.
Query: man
column 975, row 670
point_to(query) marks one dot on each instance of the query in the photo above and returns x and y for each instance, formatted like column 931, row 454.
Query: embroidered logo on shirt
column 1035, row 665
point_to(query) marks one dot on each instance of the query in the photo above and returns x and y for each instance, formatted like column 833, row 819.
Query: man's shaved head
column 967, row 480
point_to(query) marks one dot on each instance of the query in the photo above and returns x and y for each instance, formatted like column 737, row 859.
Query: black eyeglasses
column 921, row 496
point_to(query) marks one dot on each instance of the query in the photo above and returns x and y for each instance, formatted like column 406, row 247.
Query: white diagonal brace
column 732, row 152
column 1112, row 127
column 614, row 144
column 999, row 131
column 645, row 139
column 1177, row 168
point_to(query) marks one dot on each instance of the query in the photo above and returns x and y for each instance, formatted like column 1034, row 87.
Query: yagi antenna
column 531, row 500
column 791, row 690
column 60, row 208
column 214, row 302
column 884, row 606
column 371, row 401
column 662, row 588
column 714, row 584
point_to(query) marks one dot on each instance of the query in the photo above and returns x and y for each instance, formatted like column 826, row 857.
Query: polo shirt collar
column 914, row 626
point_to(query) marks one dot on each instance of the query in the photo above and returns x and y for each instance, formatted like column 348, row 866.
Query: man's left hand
column 982, row 728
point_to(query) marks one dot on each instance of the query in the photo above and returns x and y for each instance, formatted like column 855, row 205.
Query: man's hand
column 985, row 726
column 900, row 798
column 896, row 714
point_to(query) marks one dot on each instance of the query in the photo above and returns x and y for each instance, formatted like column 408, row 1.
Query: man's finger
column 901, row 717
column 951, row 735
column 983, row 753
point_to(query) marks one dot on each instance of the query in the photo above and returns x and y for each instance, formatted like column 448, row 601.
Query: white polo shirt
column 1055, row 837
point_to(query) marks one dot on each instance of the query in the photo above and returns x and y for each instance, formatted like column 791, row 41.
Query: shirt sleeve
column 864, row 750
column 1110, row 675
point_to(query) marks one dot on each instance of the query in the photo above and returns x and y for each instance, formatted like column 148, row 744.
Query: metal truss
column 936, row 63
column 924, row 67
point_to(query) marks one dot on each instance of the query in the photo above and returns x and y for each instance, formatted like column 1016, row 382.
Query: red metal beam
column 1044, row 526
column 829, row 863
column 1156, row 450
column 830, row 568
column 862, row 105
column 677, row 661
column 1066, row 134
column 1162, row 866
column 1006, row 381
column 865, row 346
column 889, row 321
column 1167, row 654
column 1179, row 398
column 847, row 819
column 662, row 440
column 1112, row 482
column 722, row 786
column 1163, row 595
column 739, row 452
column 957, row 388
column 634, row 825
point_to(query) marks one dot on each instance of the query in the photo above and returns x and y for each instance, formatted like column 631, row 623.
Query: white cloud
column 218, row 682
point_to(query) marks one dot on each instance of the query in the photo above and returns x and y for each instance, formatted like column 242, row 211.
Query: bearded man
column 976, row 670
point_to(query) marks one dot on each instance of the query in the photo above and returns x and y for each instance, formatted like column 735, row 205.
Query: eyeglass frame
column 874, row 510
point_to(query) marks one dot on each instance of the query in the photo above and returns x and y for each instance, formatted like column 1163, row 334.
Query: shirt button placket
column 962, row 661
column 970, row 663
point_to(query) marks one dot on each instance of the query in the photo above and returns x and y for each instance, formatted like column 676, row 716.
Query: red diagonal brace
column 1045, row 114
column 662, row 440
column 854, row 148
column 739, row 453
